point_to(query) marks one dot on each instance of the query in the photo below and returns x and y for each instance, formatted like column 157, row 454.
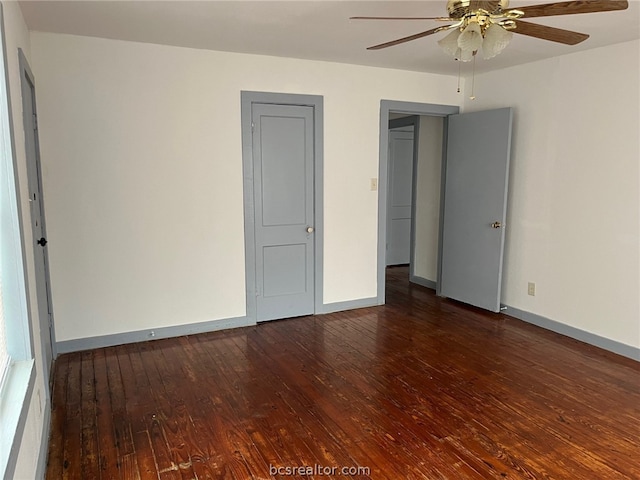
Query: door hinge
column 35, row 122
column 253, row 126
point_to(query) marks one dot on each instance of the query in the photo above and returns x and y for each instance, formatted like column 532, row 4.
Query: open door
column 40, row 250
column 475, row 205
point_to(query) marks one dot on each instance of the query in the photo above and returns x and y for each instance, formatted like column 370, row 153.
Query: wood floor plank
column 388, row 412
column 90, row 456
column 229, row 421
column 313, row 400
column 169, row 440
column 359, row 424
column 104, row 420
column 422, row 387
column 138, row 402
column 58, row 417
column 196, row 434
column 166, row 465
column 283, row 424
column 72, row 464
column 126, row 462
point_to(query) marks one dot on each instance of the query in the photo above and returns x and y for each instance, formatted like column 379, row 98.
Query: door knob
column 42, row 242
column 496, row 224
column 309, row 229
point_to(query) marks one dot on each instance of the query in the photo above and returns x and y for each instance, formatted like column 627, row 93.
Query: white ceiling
column 318, row 30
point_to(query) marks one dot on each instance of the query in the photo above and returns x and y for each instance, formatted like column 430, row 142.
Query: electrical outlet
column 531, row 289
column 374, row 184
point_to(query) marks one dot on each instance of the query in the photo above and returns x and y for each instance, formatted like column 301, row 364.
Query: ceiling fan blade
column 574, row 7
column 399, row 18
column 549, row 33
column 411, row 37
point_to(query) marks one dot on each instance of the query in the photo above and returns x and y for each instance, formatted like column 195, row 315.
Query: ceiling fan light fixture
column 471, row 38
column 450, row 43
column 496, row 38
column 489, row 24
column 465, row 55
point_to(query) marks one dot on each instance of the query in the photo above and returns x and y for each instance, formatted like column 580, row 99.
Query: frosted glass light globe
column 471, row 38
column 496, row 39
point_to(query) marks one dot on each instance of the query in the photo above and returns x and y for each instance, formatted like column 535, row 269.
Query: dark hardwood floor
column 419, row 388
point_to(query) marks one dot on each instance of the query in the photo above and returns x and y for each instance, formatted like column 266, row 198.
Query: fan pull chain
column 459, row 69
column 473, row 78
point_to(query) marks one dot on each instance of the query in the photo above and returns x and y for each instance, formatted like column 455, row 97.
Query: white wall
column 573, row 217
column 17, row 36
column 141, row 150
column 143, row 182
column 427, row 220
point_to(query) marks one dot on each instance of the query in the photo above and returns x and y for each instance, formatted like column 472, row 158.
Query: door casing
column 247, row 99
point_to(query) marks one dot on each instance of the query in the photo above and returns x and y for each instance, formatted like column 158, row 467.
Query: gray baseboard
column 349, row 305
column 80, row 344
column 575, row 333
column 423, row 281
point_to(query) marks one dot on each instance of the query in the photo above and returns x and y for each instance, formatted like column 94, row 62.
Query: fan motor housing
column 460, row 8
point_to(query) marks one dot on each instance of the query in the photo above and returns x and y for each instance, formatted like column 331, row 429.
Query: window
column 16, row 353
column 4, row 355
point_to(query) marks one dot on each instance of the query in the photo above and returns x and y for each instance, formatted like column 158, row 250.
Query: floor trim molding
column 575, row 333
column 349, row 305
column 423, row 281
column 80, row 344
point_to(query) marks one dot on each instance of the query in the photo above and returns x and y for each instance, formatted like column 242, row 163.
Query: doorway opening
column 403, row 156
column 471, row 213
column 412, row 144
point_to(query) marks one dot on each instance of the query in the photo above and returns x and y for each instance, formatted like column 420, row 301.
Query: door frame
column 410, row 108
column 25, row 71
column 247, row 99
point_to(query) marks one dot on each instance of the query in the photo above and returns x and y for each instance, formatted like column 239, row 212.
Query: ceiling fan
column 490, row 24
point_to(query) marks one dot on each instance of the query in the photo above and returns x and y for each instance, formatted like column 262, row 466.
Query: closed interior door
column 399, row 197
column 37, row 217
column 283, row 176
column 475, row 206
